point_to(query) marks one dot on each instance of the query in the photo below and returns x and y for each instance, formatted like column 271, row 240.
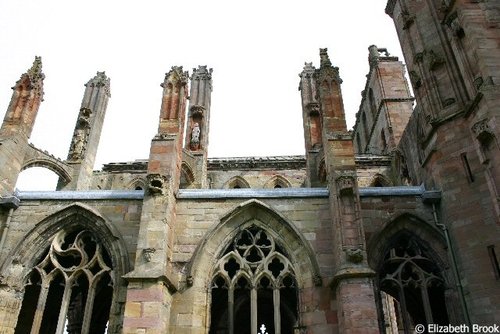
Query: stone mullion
column 89, row 304
column 277, row 315
column 253, row 309
column 404, row 310
column 40, row 307
column 230, row 311
column 426, row 302
column 64, row 307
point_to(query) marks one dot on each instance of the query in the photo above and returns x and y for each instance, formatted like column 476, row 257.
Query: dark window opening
column 494, row 261
column 414, row 280
column 468, row 171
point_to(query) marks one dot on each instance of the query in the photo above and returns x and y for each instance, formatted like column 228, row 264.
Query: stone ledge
column 81, row 195
column 10, row 202
column 252, row 193
column 217, row 193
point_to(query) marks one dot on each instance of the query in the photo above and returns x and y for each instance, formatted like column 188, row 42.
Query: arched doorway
column 253, row 284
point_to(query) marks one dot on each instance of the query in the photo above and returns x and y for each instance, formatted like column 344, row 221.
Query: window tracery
column 76, row 274
column 253, row 274
column 410, row 276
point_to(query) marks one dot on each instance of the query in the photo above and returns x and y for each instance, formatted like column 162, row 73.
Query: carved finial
column 35, row 72
column 309, row 68
column 100, row 80
column 375, row 53
column 202, row 73
column 176, row 75
column 324, row 59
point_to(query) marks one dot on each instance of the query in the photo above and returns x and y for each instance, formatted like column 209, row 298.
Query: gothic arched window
column 70, row 290
column 253, row 284
column 415, row 283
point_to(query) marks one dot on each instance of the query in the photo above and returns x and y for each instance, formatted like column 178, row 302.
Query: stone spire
column 312, row 122
column 87, row 133
column 198, row 126
column 18, row 124
column 199, row 109
column 324, row 58
column 25, row 101
column 330, row 95
column 174, row 91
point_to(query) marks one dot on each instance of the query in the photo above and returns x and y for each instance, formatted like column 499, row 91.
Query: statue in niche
column 78, row 146
column 195, row 136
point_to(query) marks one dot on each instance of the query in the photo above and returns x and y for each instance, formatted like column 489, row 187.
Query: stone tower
column 386, row 105
column 150, row 283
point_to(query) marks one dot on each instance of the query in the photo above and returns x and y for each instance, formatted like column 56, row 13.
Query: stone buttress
column 352, row 280
column 150, row 284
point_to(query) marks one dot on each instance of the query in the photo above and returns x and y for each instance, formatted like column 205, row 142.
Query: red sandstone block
column 151, row 294
column 141, row 323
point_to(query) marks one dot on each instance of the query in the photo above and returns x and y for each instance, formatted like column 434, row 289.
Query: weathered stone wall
column 123, row 214
column 198, row 219
column 451, row 141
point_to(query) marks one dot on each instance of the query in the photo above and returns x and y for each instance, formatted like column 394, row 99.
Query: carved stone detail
column 354, row 255
column 415, row 79
column 481, row 129
column 313, row 109
column 147, row 253
column 157, row 184
column 197, row 111
column 80, row 136
column 100, row 80
column 326, row 70
column 345, row 184
column 434, row 60
column 408, row 19
column 195, row 136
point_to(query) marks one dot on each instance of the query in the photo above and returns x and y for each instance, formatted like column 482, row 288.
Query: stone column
column 151, row 285
column 10, row 305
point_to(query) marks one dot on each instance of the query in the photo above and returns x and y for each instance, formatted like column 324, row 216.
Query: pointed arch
column 137, row 184
column 380, row 180
column 256, row 213
column 406, row 222
column 236, row 182
column 413, row 275
column 277, row 181
column 187, row 176
column 80, row 225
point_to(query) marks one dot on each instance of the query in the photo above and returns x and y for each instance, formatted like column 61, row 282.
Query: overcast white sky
column 256, row 49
